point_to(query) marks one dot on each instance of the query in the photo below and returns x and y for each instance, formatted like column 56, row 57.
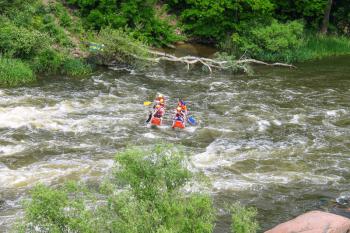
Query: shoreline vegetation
column 42, row 38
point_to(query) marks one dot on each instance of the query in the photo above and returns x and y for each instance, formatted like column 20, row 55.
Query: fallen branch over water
column 211, row 63
column 117, row 46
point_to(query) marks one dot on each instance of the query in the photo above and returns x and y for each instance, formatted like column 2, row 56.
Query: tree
column 325, row 21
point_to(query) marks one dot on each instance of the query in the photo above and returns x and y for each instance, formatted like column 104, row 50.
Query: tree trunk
column 325, row 21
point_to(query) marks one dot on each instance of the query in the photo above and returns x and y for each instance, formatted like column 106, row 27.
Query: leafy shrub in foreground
column 243, row 219
column 144, row 196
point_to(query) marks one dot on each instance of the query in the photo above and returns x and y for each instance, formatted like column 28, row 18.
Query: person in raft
column 158, row 107
column 181, row 111
column 182, row 104
column 179, row 116
column 159, row 111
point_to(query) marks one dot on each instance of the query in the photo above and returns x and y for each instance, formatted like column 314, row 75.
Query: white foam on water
column 295, row 119
column 277, row 122
column 190, row 129
column 150, row 135
column 11, row 149
column 263, row 125
column 233, row 184
column 331, row 113
column 249, row 180
column 16, row 117
column 223, row 130
column 50, row 171
column 335, row 113
column 214, row 155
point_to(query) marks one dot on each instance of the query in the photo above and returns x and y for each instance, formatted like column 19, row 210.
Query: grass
column 14, row 72
column 243, row 219
column 74, row 67
column 316, row 47
column 313, row 47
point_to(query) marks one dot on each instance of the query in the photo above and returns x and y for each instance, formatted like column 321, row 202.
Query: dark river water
column 278, row 140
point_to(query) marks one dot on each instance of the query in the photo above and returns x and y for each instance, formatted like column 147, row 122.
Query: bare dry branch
column 211, row 64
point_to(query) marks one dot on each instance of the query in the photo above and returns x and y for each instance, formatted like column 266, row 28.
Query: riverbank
column 45, row 38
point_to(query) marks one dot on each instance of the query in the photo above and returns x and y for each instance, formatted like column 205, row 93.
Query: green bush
column 21, row 42
column 155, row 202
column 152, row 173
column 15, row 73
column 213, row 20
column 57, row 33
column 74, row 67
column 145, row 196
column 47, row 62
column 276, row 38
column 121, row 46
column 55, row 211
column 243, row 219
column 140, row 16
column 50, row 61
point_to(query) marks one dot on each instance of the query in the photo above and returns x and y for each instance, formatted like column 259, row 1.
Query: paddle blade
column 191, row 120
column 147, row 103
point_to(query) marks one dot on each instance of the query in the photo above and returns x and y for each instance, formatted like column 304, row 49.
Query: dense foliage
column 140, row 16
column 274, row 38
column 41, row 37
column 51, row 37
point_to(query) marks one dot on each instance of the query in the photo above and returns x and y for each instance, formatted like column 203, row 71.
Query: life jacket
column 159, row 112
column 179, row 117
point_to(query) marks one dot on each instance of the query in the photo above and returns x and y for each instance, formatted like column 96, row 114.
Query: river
column 278, row 140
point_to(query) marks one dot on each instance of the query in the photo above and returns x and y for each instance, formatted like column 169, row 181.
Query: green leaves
column 243, row 219
column 213, row 20
column 150, row 173
column 145, row 196
column 276, row 38
column 14, row 72
column 20, row 42
column 58, row 210
column 139, row 15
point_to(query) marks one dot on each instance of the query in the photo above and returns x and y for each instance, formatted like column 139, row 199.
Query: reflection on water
column 279, row 140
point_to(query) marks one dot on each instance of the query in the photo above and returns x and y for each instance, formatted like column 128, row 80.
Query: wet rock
column 314, row 222
column 343, row 199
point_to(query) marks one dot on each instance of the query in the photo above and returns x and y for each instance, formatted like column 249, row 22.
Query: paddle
column 147, row 103
column 191, row 120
